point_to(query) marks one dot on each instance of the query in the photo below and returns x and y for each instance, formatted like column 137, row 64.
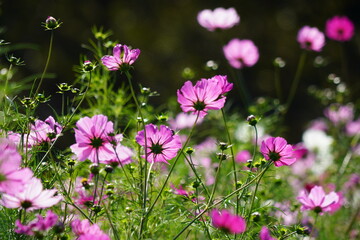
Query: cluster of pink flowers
column 96, row 141
column 44, row 131
column 207, row 94
column 38, row 226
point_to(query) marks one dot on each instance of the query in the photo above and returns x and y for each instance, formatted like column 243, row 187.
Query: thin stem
column 216, row 181
column 47, row 63
column 296, row 80
column 172, row 167
column 111, row 223
column 223, row 200
column 313, row 228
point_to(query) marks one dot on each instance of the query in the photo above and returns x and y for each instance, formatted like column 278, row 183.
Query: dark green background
column 170, row 39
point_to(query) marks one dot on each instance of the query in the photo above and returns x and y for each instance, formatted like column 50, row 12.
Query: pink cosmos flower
column 183, row 120
column 207, row 94
column 227, row 222
column 265, row 234
column 94, row 139
column 318, row 201
column 44, row 131
column 310, row 38
column 339, row 114
column 339, row 28
column 277, row 150
column 12, row 177
column 39, row 225
column 33, row 197
column 122, row 156
column 85, row 231
column 122, row 57
column 220, row 18
column 241, row 53
column 161, row 144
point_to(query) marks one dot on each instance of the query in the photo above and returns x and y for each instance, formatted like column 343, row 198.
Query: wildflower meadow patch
column 107, row 164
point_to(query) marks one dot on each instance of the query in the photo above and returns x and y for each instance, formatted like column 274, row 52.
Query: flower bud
column 109, row 169
column 88, row 66
column 189, row 150
column 51, row 23
column 94, row 168
column 252, row 120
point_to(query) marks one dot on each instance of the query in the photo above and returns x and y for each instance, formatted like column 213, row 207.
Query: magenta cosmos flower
column 220, row 18
column 12, row 177
column 161, row 143
column 207, row 94
column 94, row 139
column 228, row 222
column 32, row 197
column 277, row 150
column 122, row 58
column 85, row 231
column 241, row 53
column 265, row 234
column 339, row 28
column 310, row 38
column 318, row 201
column 45, row 131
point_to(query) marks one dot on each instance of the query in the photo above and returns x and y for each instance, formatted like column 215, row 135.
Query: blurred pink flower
column 339, row 28
column 241, row 53
column 40, row 224
column 227, row 222
column 12, row 177
column 220, row 18
column 207, row 94
column 353, row 128
column 122, row 58
column 304, row 159
column 94, row 139
column 161, row 144
column 265, row 234
column 318, row 201
column 33, row 197
column 243, row 156
column 44, row 131
column 184, row 120
column 277, row 150
column 339, row 114
column 85, row 231
column 122, row 156
column 310, row 38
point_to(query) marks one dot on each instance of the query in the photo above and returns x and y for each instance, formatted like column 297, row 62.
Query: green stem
column 47, row 63
column 216, row 181
column 296, row 80
column 172, row 167
column 111, row 223
column 313, row 228
column 222, row 200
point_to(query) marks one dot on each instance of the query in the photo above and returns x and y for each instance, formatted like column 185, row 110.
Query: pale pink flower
column 339, row 114
column 94, row 139
column 32, row 197
column 310, row 38
column 205, row 95
column 228, row 222
column 265, row 234
column 277, row 150
column 241, row 53
column 38, row 225
column 184, row 120
column 122, row 156
column 12, row 177
column 318, row 201
column 161, row 143
column 339, row 28
column 44, row 131
column 220, row 18
column 121, row 59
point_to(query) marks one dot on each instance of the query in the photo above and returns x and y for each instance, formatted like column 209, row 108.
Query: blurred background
column 171, row 40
